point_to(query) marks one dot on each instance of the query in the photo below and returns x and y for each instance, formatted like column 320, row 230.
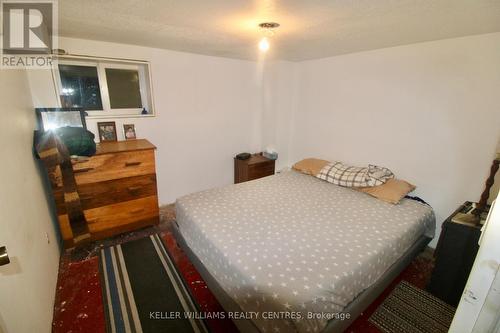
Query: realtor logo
column 28, row 34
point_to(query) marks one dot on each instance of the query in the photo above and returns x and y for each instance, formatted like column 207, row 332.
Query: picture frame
column 129, row 132
column 54, row 118
column 107, row 131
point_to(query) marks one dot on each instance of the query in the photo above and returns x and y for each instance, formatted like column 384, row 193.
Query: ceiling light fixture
column 268, row 30
column 264, row 44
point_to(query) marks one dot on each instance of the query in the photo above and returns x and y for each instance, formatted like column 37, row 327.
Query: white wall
column 207, row 111
column 27, row 284
column 279, row 99
column 428, row 111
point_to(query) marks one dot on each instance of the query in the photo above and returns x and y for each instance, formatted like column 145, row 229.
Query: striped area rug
column 143, row 292
column 409, row 309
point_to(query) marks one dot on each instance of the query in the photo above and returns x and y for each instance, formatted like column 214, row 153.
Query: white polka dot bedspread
column 291, row 245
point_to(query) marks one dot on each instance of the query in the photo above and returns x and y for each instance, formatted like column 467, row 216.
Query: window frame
column 145, row 84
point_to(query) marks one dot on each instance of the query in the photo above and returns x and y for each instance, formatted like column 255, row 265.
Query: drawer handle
column 129, row 164
column 137, row 211
column 83, row 170
column 134, row 189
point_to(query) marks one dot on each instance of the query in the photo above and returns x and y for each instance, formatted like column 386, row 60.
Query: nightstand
column 257, row 166
column 455, row 254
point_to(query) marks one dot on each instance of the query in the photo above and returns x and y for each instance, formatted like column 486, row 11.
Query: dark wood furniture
column 117, row 189
column 455, row 254
column 257, row 166
column 489, row 184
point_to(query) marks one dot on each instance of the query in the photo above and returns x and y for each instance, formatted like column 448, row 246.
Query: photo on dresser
column 129, row 131
column 107, row 131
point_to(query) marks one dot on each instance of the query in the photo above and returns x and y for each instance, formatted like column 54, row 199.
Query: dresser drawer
column 114, row 166
column 261, row 170
column 115, row 215
column 109, row 192
column 119, row 217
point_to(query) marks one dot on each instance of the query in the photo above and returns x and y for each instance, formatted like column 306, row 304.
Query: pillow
column 392, row 191
column 310, row 166
column 348, row 176
column 344, row 175
column 378, row 175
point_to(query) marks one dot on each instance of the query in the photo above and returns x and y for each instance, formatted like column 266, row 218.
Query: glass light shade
column 264, row 44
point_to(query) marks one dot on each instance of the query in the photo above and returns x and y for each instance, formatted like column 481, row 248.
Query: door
column 489, row 317
column 28, row 282
column 479, row 307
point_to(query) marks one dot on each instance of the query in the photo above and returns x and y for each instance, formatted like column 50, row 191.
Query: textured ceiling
column 309, row 28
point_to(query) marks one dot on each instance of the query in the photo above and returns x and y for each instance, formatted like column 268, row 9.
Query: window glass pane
column 124, row 89
column 80, row 87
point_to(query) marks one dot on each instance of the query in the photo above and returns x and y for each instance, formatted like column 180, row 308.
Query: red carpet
column 78, row 305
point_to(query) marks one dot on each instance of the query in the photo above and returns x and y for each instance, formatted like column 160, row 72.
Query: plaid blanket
column 349, row 176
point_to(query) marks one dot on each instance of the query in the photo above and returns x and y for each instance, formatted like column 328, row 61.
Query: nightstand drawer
column 261, row 170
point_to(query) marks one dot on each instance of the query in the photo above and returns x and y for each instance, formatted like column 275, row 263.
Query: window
column 104, row 87
column 123, row 88
column 80, row 87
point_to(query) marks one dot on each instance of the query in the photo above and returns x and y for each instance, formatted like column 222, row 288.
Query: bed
column 298, row 254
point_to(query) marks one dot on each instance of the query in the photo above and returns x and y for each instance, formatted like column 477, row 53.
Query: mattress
column 292, row 250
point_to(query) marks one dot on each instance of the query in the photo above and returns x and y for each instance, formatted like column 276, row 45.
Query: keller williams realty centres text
column 248, row 315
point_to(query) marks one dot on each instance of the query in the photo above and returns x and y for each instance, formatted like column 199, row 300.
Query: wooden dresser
column 257, row 166
column 117, row 189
